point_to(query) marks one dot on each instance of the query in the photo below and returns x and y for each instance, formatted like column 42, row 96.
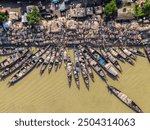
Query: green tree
column 34, row 17
column 142, row 11
column 110, row 9
column 146, row 8
column 3, row 17
column 138, row 12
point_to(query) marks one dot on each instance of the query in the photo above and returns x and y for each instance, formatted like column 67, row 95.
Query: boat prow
column 124, row 98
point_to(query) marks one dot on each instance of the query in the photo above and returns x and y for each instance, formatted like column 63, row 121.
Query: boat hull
column 111, row 71
column 131, row 105
column 147, row 51
column 14, row 82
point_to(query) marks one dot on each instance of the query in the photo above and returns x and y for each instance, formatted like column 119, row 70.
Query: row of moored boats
column 147, row 51
column 85, row 61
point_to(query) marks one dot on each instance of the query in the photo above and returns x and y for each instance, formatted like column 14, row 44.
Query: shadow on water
column 115, row 78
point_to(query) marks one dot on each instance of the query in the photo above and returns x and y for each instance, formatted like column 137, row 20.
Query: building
column 77, row 12
column 125, row 14
column 98, row 10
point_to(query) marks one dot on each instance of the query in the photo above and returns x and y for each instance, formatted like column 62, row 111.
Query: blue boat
column 103, row 62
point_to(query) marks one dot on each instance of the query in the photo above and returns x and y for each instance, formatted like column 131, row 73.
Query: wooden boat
column 147, row 51
column 65, row 58
column 41, row 51
column 109, row 68
column 11, row 60
column 136, row 52
column 46, row 62
column 7, row 51
column 61, row 55
column 128, row 53
column 76, row 61
column 8, row 71
column 43, row 57
column 123, row 97
column 115, row 54
column 76, row 69
column 56, row 64
column 95, row 66
column 41, row 60
column 69, row 70
column 27, row 67
column 89, row 70
column 124, row 56
column 103, row 52
column 120, row 53
column 52, row 59
column 76, row 77
column 113, row 61
column 83, row 69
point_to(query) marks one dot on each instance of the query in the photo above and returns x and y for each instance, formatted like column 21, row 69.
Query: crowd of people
column 90, row 32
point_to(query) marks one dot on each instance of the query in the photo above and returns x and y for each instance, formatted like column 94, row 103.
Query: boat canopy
column 62, row 7
column 56, row 1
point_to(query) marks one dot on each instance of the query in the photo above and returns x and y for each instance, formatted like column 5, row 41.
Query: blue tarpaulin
column 62, row 7
column 56, row 1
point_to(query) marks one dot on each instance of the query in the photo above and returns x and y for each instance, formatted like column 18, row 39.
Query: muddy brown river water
column 50, row 92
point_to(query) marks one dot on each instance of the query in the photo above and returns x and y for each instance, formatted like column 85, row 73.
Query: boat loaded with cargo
column 116, row 54
column 94, row 65
column 52, row 60
column 69, row 68
column 107, row 66
column 76, row 69
column 111, row 58
column 136, row 52
column 86, row 61
column 124, row 56
column 147, row 51
column 28, row 66
column 83, row 69
column 7, row 51
column 9, row 70
column 11, row 60
column 125, row 99
column 43, row 57
column 128, row 53
column 46, row 61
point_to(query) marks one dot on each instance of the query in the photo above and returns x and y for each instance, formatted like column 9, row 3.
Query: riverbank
column 72, row 32
column 50, row 93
